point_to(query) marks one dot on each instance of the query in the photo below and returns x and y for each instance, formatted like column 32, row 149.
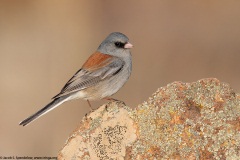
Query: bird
column 101, row 76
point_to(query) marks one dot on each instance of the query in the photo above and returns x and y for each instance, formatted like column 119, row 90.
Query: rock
column 199, row 120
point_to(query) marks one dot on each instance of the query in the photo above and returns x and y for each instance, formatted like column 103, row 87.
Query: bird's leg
column 91, row 109
column 90, row 105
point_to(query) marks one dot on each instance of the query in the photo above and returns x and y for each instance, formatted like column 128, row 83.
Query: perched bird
column 101, row 76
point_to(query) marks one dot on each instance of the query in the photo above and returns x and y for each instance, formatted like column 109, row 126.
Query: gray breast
column 117, row 81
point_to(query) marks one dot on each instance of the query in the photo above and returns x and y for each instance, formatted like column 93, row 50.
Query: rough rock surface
column 199, row 120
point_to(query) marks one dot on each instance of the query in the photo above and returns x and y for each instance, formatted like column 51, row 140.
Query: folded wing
column 98, row 67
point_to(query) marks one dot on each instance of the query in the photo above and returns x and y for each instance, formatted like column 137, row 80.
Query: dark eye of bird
column 119, row 44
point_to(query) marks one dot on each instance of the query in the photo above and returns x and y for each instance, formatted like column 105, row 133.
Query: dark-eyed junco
column 102, row 75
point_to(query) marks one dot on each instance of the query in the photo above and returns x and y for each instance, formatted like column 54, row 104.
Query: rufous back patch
column 96, row 60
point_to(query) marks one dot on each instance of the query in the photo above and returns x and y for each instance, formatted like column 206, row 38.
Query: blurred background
column 43, row 43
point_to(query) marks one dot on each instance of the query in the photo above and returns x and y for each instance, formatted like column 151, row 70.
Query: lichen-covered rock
column 199, row 120
column 104, row 134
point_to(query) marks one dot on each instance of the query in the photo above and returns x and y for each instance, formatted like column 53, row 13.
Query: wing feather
column 91, row 74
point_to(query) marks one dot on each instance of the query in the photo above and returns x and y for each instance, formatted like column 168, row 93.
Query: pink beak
column 128, row 45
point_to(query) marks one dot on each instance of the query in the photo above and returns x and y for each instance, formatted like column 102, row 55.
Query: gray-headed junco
column 102, row 75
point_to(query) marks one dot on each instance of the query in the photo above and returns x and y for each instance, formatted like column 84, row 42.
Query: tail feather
column 56, row 102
